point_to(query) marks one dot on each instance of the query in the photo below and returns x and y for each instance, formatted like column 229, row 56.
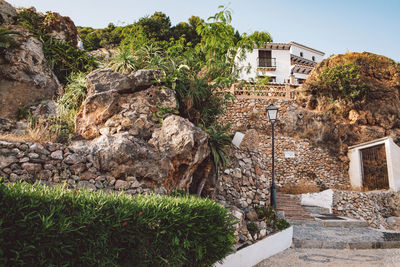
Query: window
column 301, row 54
column 265, row 60
column 313, row 58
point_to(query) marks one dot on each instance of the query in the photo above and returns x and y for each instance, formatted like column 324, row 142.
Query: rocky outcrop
column 25, row 75
column 60, row 27
column 336, row 123
column 7, row 13
column 115, row 105
column 135, row 133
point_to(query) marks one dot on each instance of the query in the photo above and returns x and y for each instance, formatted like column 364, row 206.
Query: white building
column 278, row 61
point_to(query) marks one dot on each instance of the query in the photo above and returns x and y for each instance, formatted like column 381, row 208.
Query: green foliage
column 123, row 62
column 219, row 140
column 62, row 57
column 6, row 38
column 68, row 105
column 163, row 112
column 341, row 82
column 281, row 224
column 263, row 81
column 252, row 227
column 268, row 214
column 157, row 26
column 57, row 227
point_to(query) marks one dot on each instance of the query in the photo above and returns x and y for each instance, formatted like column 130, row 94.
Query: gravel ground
column 334, row 257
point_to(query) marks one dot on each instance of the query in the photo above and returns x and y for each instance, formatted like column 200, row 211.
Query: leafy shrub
column 266, row 213
column 40, row 226
column 341, row 81
column 252, row 227
column 281, row 224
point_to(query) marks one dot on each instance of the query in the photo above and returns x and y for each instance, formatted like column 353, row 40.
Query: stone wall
column 298, row 162
column 54, row 163
column 373, row 207
column 247, row 179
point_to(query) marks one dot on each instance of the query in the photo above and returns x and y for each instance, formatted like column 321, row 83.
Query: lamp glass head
column 272, row 112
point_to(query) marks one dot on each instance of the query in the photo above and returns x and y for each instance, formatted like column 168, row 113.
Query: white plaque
column 237, row 139
column 289, row 154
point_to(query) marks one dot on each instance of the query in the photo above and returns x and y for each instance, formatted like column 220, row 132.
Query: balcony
column 267, row 63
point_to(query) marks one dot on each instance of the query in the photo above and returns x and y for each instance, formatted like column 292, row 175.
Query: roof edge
column 307, row 47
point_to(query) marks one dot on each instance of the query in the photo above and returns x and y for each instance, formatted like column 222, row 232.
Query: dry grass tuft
column 39, row 134
column 302, row 187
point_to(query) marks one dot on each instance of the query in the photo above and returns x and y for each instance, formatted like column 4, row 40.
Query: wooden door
column 375, row 173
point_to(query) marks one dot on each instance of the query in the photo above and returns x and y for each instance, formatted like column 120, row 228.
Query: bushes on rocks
column 42, row 226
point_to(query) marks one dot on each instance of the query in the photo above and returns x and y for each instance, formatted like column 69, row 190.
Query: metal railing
column 266, row 62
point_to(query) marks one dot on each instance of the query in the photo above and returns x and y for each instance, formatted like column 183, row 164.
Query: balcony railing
column 270, row 91
column 267, row 62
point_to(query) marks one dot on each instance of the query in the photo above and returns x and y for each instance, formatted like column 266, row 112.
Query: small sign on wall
column 237, row 139
column 289, row 154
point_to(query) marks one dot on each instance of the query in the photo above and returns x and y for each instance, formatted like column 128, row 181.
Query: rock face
column 112, row 107
column 60, row 27
column 123, row 113
column 24, row 72
column 7, row 13
column 336, row 124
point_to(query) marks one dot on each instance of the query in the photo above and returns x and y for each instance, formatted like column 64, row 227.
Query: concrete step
column 317, row 210
column 346, row 223
column 343, row 238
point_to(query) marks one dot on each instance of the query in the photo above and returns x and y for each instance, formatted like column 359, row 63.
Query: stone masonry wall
column 372, row 207
column 53, row 163
column 247, row 179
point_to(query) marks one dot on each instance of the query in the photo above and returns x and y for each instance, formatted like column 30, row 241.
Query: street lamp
column 272, row 112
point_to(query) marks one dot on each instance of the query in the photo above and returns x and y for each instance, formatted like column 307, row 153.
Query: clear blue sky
column 333, row 26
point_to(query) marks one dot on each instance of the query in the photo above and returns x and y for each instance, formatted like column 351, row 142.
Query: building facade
column 278, row 61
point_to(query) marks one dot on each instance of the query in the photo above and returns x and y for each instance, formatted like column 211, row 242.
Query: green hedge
column 41, row 226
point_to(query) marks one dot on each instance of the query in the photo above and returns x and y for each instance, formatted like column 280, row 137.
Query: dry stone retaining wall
column 54, row 163
column 247, row 179
column 373, row 207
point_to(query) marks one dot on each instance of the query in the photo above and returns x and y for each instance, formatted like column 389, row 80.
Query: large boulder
column 168, row 160
column 102, row 80
column 134, row 133
column 25, row 76
column 7, row 13
column 185, row 146
column 115, row 105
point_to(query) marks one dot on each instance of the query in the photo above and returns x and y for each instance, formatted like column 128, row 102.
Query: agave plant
column 124, row 62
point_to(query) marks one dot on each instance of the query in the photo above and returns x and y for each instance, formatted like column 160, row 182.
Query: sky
column 331, row 26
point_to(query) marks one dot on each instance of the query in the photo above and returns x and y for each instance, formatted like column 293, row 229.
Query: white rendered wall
column 250, row 59
column 355, row 171
column 282, row 71
column 392, row 160
column 394, row 167
column 265, row 248
column 307, row 53
column 300, row 75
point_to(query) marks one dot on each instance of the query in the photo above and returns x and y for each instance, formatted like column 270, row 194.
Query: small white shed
column 375, row 165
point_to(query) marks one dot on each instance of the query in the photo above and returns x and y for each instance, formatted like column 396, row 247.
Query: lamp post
column 272, row 112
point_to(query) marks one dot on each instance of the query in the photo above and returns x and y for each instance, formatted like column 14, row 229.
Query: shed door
column 375, row 173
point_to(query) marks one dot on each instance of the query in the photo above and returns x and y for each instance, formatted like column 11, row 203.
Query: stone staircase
column 290, row 205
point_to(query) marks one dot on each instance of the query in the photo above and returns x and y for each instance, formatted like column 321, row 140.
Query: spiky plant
column 124, row 62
